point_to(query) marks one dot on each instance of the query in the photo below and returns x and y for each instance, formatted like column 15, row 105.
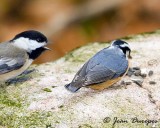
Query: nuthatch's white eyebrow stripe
column 124, row 45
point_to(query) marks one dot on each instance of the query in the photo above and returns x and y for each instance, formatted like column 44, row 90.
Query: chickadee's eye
column 38, row 39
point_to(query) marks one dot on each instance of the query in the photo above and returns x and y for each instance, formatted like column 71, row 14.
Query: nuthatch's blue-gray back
column 104, row 69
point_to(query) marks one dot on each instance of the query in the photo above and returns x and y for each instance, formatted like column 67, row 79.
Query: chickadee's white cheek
column 21, row 43
column 34, row 44
column 28, row 44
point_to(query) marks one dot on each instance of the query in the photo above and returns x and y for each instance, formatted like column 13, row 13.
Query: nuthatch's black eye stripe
column 125, row 49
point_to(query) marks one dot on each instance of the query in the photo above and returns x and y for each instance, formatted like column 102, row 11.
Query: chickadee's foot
column 28, row 71
column 18, row 80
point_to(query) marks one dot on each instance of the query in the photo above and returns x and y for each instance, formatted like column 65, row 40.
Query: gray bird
column 104, row 69
column 17, row 54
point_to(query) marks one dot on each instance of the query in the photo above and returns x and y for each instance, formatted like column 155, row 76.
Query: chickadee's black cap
column 33, row 35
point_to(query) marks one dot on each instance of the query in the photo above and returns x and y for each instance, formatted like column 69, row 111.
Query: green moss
column 47, row 90
column 14, row 113
column 4, row 99
column 9, row 100
column 85, row 126
column 31, row 119
column 158, row 124
column 140, row 35
column 68, row 70
column 150, row 33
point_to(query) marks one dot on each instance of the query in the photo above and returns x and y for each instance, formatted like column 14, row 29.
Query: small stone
column 137, row 73
column 130, row 72
column 152, row 82
column 151, row 98
column 130, row 69
column 143, row 75
column 150, row 73
column 144, row 72
column 122, row 82
column 136, row 68
column 128, row 82
column 138, row 80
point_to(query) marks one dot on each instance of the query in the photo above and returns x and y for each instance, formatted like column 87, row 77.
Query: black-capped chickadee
column 17, row 54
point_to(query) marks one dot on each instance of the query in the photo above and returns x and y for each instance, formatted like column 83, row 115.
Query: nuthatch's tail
column 72, row 88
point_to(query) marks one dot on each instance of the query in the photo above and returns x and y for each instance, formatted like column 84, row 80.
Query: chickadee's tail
column 72, row 88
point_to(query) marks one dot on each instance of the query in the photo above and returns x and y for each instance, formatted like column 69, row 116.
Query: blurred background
column 72, row 23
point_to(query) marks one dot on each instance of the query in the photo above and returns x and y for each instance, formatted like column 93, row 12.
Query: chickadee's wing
column 8, row 64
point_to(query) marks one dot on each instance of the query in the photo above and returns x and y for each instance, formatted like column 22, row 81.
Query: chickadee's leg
column 28, row 71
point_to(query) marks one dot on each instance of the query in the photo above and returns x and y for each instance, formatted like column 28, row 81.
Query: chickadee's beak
column 46, row 48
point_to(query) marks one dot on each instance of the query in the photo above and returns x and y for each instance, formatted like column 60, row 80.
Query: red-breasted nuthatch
column 104, row 69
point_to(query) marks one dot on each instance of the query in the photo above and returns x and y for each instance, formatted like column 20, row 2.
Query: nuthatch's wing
column 108, row 64
column 10, row 64
column 98, row 74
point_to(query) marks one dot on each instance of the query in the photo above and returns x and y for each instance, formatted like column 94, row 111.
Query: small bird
column 104, row 69
column 17, row 54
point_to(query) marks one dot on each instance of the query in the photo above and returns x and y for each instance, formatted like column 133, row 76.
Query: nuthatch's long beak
column 129, row 56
